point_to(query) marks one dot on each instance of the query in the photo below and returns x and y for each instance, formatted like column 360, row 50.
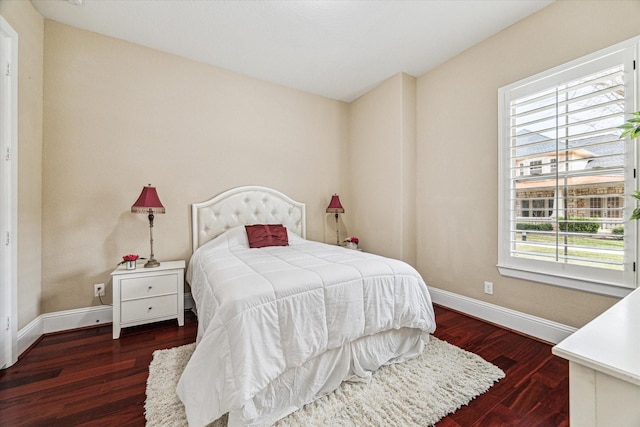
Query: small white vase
column 351, row 245
column 131, row 265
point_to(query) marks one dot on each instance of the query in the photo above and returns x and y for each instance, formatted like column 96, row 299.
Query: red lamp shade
column 334, row 205
column 148, row 201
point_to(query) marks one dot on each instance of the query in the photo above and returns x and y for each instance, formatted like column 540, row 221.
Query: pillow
column 261, row 235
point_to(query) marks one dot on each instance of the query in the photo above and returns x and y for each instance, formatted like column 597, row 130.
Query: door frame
column 8, row 194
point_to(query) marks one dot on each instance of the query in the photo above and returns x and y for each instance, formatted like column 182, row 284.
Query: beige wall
column 382, row 168
column 119, row 116
column 457, row 137
column 29, row 25
column 408, row 169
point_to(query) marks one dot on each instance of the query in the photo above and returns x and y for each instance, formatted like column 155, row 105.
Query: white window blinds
column 565, row 172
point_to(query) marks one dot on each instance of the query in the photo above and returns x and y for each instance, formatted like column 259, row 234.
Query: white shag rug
column 418, row 392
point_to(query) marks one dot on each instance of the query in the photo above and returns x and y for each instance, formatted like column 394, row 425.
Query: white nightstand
column 147, row 295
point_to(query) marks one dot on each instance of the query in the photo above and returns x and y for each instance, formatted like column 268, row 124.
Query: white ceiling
column 338, row 49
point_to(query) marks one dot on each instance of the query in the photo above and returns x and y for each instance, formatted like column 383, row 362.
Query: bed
column 280, row 326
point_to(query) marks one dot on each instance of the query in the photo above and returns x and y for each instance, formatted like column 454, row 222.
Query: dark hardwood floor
column 535, row 391
column 84, row 378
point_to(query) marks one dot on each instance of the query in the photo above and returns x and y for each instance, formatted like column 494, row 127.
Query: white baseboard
column 527, row 324
column 538, row 327
column 30, row 334
column 61, row 321
column 71, row 319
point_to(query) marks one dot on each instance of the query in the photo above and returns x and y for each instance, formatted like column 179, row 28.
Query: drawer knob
column 150, row 287
column 150, row 308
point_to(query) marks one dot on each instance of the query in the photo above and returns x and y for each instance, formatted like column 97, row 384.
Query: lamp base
column 152, row 263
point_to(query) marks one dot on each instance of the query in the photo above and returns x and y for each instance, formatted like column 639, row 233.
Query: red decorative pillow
column 261, row 235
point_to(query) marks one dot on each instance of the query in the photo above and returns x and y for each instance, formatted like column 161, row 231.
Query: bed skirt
column 355, row 361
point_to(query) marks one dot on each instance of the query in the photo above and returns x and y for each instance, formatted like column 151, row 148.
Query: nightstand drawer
column 149, row 308
column 142, row 287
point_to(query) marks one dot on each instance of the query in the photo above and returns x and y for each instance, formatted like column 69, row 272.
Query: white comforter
column 265, row 313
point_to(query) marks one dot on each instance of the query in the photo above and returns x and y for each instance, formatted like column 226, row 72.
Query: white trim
column 72, row 319
column 30, row 334
column 9, row 194
column 588, row 279
column 62, row 321
column 527, row 324
column 579, row 284
column 77, row 318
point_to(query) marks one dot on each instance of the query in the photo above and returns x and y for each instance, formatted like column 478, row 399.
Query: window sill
column 567, row 282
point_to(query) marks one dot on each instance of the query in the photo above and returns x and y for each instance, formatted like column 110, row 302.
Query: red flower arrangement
column 352, row 239
column 130, row 257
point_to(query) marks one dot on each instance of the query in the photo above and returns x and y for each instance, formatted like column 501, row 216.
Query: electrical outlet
column 488, row 288
column 98, row 290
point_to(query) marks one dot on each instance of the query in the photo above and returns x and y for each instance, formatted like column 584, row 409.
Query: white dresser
column 146, row 295
column 604, row 367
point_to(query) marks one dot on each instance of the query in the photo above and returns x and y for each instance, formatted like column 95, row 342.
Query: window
column 596, row 207
column 536, row 167
column 614, row 207
column 563, row 125
column 536, row 208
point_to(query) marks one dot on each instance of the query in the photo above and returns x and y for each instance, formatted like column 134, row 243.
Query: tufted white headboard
column 245, row 206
